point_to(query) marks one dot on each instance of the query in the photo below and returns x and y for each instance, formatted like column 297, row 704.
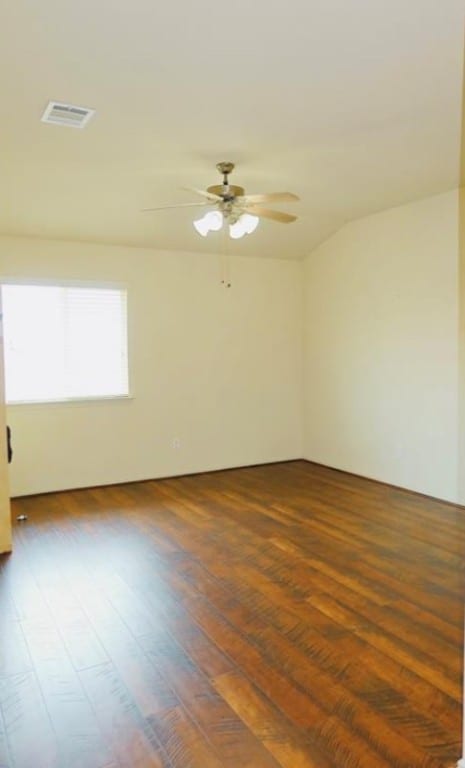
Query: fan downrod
column 226, row 190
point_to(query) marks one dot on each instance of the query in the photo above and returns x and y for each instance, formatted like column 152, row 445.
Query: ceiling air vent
column 66, row 114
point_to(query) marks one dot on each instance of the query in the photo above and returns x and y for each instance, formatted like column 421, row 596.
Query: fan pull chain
column 225, row 258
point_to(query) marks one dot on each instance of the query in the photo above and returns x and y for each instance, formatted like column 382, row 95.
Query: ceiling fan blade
column 203, row 193
column 178, row 205
column 271, row 197
column 266, row 213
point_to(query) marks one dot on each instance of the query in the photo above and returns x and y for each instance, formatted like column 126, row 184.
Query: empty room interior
column 232, row 365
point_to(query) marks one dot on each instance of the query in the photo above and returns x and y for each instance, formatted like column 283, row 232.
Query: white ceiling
column 355, row 105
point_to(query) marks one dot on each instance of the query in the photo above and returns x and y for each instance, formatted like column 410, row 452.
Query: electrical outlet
column 176, row 443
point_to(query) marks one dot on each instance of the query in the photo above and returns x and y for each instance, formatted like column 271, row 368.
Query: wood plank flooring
column 285, row 616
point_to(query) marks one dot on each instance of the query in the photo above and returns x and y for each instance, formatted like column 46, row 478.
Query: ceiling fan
column 231, row 205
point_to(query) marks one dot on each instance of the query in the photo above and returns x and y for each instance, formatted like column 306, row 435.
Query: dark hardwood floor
column 286, row 615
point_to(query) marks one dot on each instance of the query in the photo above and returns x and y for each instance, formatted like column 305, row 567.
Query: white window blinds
column 64, row 342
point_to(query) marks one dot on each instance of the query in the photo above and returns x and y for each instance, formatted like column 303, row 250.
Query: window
column 64, row 342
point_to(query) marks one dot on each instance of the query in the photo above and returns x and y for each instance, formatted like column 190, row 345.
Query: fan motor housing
column 233, row 191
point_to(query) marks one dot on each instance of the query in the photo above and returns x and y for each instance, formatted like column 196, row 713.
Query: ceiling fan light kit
column 213, row 222
column 240, row 211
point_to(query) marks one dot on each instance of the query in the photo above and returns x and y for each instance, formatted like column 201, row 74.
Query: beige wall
column 219, row 369
column 461, row 376
column 5, row 515
column 381, row 325
column 222, row 370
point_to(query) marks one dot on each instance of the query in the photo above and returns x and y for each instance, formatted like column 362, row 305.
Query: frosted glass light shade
column 245, row 225
column 214, row 220
column 249, row 222
column 202, row 227
column 237, row 230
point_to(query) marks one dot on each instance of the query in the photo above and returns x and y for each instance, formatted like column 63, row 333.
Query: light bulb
column 249, row 222
column 236, row 230
column 202, row 226
column 214, row 219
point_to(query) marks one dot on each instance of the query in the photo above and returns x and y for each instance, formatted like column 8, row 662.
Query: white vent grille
column 66, row 114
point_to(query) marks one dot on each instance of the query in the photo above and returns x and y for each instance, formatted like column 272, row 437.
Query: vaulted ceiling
column 354, row 105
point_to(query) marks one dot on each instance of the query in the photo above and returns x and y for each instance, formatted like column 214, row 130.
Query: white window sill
column 70, row 400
